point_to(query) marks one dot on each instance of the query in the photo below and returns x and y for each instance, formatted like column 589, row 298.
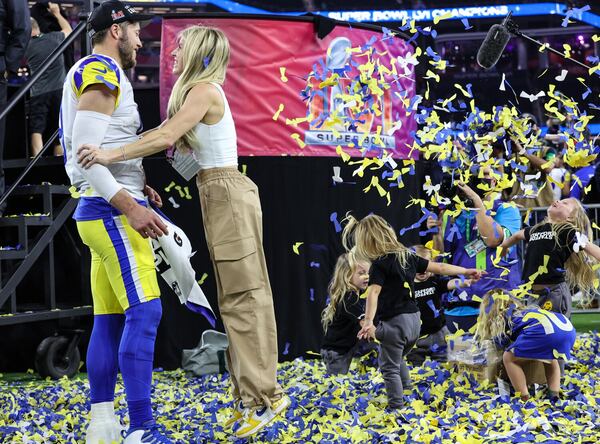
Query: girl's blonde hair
column 579, row 267
column 373, row 237
column 492, row 321
column 340, row 284
column 204, row 55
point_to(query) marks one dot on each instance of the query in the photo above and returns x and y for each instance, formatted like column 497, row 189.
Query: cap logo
column 130, row 9
column 117, row 15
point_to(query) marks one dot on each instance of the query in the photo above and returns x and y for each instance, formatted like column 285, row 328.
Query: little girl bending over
column 525, row 333
column 565, row 237
column 342, row 316
column 390, row 296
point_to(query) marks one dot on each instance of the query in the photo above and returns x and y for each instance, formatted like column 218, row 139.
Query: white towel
column 172, row 255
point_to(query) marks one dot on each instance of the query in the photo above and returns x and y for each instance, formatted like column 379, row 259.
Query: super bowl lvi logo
column 344, row 111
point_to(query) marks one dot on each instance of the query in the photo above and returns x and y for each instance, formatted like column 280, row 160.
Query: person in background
column 585, row 186
column 536, row 176
column 48, row 23
column 46, row 92
column 15, row 32
column 471, row 238
column 560, row 177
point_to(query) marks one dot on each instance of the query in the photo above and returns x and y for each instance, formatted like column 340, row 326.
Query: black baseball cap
column 111, row 12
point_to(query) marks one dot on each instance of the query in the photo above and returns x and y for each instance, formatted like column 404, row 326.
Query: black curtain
column 298, row 198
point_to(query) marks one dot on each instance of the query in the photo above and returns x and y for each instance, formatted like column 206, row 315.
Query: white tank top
column 217, row 143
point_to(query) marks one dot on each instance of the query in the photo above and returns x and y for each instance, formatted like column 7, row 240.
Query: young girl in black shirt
column 390, row 296
column 342, row 316
column 429, row 294
column 564, row 238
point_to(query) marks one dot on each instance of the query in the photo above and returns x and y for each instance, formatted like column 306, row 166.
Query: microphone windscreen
column 492, row 47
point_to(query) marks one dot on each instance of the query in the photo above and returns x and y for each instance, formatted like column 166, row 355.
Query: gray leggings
column 555, row 298
column 397, row 336
column 337, row 363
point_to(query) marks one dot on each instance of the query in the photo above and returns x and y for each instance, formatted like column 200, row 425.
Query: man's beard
column 126, row 53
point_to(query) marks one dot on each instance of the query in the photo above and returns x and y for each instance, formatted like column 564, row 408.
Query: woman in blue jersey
column 471, row 239
column 526, row 333
column 200, row 121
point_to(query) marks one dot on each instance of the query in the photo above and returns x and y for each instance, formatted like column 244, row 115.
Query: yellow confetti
column 296, row 246
column 375, row 183
column 74, row 192
column 341, row 152
column 284, row 79
column 298, row 140
column 168, row 187
column 439, row 18
column 279, row 110
column 203, row 278
column 464, row 91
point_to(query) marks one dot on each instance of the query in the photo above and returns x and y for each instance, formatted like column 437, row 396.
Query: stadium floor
column 444, row 406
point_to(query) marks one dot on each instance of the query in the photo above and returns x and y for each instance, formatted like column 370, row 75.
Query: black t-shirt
column 397, row 290
column 341, row 334
column 540, row 243
column 429, row 299
column 39, row 49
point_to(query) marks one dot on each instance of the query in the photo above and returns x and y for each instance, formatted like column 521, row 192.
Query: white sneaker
column 255, row 419
column 104, row 432
column 236, row 415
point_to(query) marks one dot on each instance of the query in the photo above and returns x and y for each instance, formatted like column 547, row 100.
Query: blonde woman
column 563, row 239
column 390, row 296
column 199, row 119
column 342, row 316
column 525, row 334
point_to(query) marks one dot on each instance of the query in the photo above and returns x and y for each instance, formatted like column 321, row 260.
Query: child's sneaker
column 238, row 412
column 104, row 432
column 255, row 419
column 148, row 435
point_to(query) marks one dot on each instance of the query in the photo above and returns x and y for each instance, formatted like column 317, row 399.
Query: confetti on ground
column 443, row 407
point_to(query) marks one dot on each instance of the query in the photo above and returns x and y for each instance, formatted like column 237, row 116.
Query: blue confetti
column 334, row 219
column 465, row 22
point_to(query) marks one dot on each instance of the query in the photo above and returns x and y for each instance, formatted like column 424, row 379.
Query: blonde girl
column 343, row 314
column 559, row 255
column 526, row 334
column 390, row 296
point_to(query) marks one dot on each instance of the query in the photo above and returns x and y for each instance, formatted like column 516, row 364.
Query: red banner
column 260, row 48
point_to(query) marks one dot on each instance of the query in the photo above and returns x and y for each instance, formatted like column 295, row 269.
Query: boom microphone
column 493, row 46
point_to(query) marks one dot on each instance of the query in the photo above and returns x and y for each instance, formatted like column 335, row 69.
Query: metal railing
column 537, row 214
column 79, row 29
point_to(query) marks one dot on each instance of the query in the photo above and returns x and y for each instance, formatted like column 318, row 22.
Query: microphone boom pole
column 513, row 28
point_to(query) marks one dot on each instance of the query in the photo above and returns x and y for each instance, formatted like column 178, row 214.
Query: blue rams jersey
column 541, row 334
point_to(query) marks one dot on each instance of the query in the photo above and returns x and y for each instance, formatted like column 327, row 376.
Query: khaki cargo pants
column 232, row 218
